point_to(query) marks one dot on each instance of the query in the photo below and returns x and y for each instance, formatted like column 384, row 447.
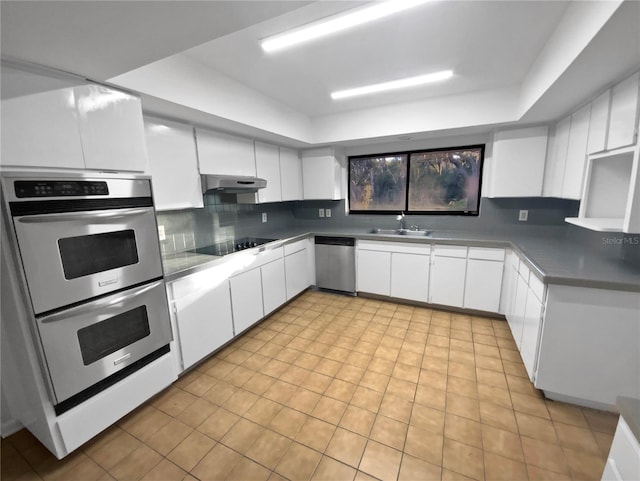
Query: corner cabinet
column 322, row 174
column 518, row 162
column 173, row 165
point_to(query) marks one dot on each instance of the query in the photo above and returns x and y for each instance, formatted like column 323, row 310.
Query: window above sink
column 433, row 181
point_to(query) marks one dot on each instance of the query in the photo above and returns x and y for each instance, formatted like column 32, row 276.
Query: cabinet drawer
column 536, row 286
column 486, row 253
column 266, row 256
column 450, row 251
column 294, row 247
column 625, row 451
column 374, row 245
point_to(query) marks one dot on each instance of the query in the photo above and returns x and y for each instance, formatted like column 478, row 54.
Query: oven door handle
column 37, row 219
column 99, row 304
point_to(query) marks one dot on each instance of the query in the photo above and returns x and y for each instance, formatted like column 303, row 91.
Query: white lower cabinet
column 448, row 272
column 483, row 285
column 531, row 323
column 274, row 292
column 519, row 308
column 374, row 272
column 202, row 311
column 246, row 299
column 410, row 276
column 296, row 273
column 623, row 462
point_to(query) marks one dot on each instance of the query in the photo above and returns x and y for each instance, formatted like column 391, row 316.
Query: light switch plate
column 264, row 217
column 327, row 212
column 161, row 234
column 320, row 212
column 523, row 216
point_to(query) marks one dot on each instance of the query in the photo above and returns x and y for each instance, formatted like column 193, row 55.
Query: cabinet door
column 374, row 272
column 111, row 129
column 296, row 275
column 576, row 154
column 222, row 154
column 446, row 286
column 204, row 322
column 532, row 320
column 246, row 299
column 173, row 164
column 598, row 123
column 624, row 113
column 483, row 285
column 557, row 159
column 518, row 162
column 290, row 174
column 268, row 167
column 410, row 276
column 274, row 292
column 41, row 129
column 519, row 308
column 320, row 177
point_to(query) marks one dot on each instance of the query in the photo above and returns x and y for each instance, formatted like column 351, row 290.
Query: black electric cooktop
column 228, row 247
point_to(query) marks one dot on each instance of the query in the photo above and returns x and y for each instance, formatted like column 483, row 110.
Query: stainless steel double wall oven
column 92, row 271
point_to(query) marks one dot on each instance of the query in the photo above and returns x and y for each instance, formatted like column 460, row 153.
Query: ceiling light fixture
column 393, row 85
column 337, row 23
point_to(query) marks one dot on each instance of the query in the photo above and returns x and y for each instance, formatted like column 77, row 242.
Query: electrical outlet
column 320, row 212
column 161, row 234
column 327, row 212
column 523, row 216
column 264, row 217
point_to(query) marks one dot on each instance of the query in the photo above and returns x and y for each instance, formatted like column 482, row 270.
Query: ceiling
column 488, row 44
column 200, row 61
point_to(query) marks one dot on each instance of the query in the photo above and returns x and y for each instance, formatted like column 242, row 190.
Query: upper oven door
column 75, row 256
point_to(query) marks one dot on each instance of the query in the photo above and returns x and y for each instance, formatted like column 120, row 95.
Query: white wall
column 186, row 82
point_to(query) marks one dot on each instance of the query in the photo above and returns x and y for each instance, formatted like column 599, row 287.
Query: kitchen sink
column 414, row 233
column 408, row 232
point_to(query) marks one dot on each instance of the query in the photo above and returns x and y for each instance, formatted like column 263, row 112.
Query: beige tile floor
column 340, row 388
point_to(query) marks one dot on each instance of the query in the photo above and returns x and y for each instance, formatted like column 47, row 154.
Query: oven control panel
column 59, row 188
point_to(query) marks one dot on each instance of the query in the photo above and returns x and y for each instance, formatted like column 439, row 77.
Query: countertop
column 554, row 260
column 629, row 409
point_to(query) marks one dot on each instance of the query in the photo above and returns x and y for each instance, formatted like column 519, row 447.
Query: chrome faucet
column 415, row 227
column 401, row 219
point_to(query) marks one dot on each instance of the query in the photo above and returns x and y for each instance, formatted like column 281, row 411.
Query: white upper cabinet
column 556, row 160
column 576, row 154
column 54, row 123
column 41, row 130
column 111, row 129
column 624, row 113
column 268, row 167
column 518, row 162
column 222, row 154
column 290, row 174
column 599, row 122
column 321, row 174
column 173, row 165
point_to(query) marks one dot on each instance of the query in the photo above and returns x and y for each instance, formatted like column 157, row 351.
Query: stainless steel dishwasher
column 336, row 263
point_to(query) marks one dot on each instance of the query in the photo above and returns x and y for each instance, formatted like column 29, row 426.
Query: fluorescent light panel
column 337, row 23
column 393, row 85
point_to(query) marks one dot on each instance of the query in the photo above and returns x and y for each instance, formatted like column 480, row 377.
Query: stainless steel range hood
column 231, row 184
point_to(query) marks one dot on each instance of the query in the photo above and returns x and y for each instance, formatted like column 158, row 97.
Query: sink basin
column 414, row 233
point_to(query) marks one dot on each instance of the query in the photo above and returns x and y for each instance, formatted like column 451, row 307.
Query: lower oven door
column 88, row 343
column 73, row 256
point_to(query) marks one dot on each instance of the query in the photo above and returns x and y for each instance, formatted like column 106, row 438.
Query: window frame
column 475, row 213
